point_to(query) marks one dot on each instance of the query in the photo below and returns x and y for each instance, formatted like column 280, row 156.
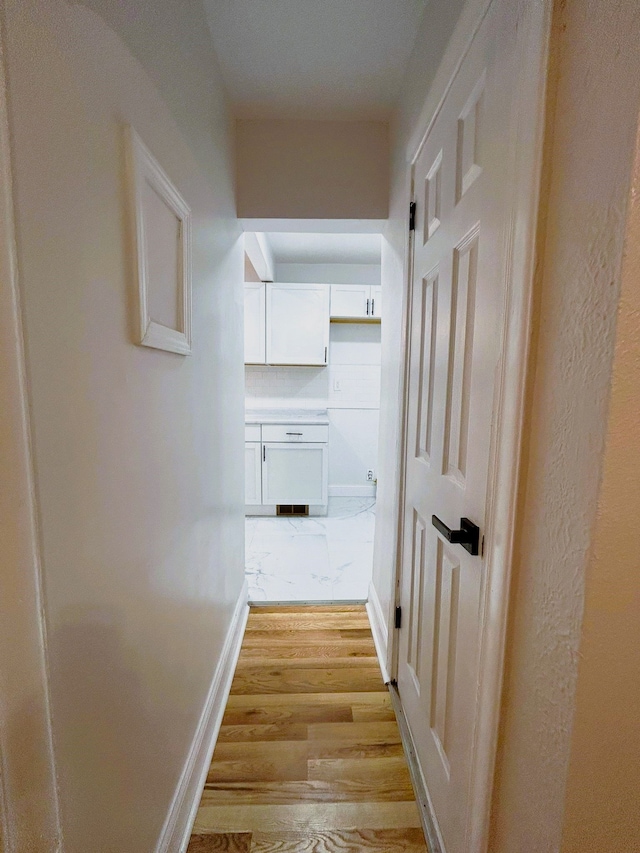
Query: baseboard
column 176, row 831
column 379, row 630
column 430, row 827
column 366, row 490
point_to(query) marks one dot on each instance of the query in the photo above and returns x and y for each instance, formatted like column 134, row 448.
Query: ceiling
column 292, row 248
column 320, row 59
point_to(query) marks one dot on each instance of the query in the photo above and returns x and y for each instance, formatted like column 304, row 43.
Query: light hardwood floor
column 309, row 757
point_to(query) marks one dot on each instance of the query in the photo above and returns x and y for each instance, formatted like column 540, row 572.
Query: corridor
column 309, row 757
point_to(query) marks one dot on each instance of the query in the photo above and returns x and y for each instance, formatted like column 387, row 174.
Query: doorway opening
column 313, row 313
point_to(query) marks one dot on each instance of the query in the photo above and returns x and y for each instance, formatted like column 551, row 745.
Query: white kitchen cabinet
column 356, row 302
column 253, row 473
column 294, row 473
column 349, row 300
column 255, row 351
column 286, row 463
column 297, row 324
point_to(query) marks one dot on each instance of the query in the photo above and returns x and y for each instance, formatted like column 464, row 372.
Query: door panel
column 456, row 305
column 297, row 324
column 294, row 474
column 349, row 300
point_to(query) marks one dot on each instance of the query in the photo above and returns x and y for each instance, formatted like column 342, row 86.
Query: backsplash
column 306, row 385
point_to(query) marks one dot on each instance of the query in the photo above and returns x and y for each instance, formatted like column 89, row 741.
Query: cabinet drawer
column 295, row 432
column 252, row 432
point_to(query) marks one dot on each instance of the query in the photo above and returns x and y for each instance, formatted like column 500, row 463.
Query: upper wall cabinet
column 255, row 348
column 297, row 324
column 356, row 302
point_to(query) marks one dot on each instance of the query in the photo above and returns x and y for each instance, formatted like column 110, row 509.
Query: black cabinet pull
column 368, row 307
column 468, row 536
column 293, row 433
column 373, row 310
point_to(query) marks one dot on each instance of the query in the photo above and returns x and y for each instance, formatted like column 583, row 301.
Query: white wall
column 594, row 103
column 312, row 169
column 329, row 273
column 138, row 453
column 601, row 810
column 29, row 818
column 354, row 403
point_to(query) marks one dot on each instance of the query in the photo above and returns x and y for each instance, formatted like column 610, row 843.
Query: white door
column 376, row 301
column 252, row 473
column 350, row 300
column 294, row 474
column 456, row 307
column 297, row 324
column 254, row 323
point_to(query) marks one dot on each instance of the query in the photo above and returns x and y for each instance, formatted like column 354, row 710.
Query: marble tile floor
column 298, row 559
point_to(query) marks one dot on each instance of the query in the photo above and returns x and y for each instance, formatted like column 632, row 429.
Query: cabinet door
column 376, row 301
column 252, row 473
column 297, row 323
column 254, row 323
column 349, row 300
column 294, row 474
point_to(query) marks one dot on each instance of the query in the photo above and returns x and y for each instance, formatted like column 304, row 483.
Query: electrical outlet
column 370, row 474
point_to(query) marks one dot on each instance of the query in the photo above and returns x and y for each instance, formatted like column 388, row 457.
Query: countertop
column 286, row 416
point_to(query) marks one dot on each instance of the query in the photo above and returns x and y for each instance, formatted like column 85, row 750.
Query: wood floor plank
column 283, row 680
column 341, row 841
column 348, row 649
column 295, row 662
column 306, row 816
column 304, row 608
column 308, row 622
column 276, row 633
column 388, row 770
column 260, row 762
column 303, row 712
column 309, row 755
column 307, row 791
column 274, row 731
column 217, row 842
column 379, row 731
column 367, row 713
column 266, row 700
column 354, row 748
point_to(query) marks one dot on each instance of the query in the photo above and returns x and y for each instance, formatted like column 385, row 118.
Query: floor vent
column 292, row 509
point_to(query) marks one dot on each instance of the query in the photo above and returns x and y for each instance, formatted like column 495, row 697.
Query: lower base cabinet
column 289, row 465
column 294, row 474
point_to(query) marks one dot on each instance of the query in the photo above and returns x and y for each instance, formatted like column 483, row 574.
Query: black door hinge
column 398, row 622
column 412, row 216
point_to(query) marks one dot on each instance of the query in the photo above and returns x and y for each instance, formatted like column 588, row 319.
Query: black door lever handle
column 468, row 536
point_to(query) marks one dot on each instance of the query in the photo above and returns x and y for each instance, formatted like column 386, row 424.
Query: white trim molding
column 379, row 630
column 144, row 170
column 176, row 831
column 29, row 811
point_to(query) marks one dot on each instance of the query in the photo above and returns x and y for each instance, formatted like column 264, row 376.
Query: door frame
column 525, row 168
column 29, row 813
